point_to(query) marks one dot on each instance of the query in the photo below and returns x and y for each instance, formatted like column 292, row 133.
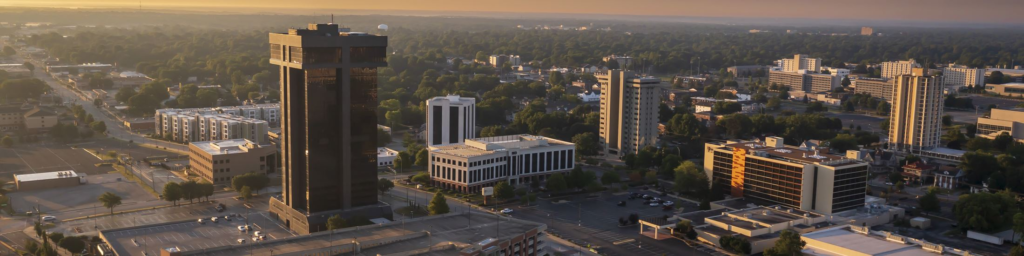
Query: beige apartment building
column 914, row 124
column 957, row 76
column 800, row 62
column 793, row 80
column 891, row 69
column 629, row 111
column 1000, row 121
column 876, row 87
column 809, row 179
column 815, row 83
column 219, row 161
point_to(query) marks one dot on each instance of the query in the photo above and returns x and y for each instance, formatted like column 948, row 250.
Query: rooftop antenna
column 332, row 18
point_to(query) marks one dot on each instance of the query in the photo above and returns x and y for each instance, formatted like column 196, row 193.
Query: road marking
column 23, row 160
column 61, row 159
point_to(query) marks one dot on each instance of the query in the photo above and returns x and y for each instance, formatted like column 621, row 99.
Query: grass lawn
column 131, row 176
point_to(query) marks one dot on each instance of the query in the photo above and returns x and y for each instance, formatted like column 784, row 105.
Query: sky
column 973, row 11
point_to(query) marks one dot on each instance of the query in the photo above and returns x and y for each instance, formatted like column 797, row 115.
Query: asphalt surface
column 192, row 236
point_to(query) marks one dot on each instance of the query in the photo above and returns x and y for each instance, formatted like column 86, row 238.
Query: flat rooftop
column 45, row 176
column 794, row 154
column 224, row 147
column 845, row 238
column 458, row 229
column 697, row 218
column 489, row 145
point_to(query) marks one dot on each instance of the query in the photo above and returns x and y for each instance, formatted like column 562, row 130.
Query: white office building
column 450, row 119
column 483, row 162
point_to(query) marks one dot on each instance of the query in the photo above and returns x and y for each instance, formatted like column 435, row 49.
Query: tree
column 556, row 183
column 985, row 212
column 773, row 104
column 610, row 177
column 930, row 202
column 98, row 126
column 8, row 50
column 947, row 120
column 882, row 109
column 735, row 244
column 124, row 94
column 789, row 244
column 843, row 142
column 1017, row 250
column 503, row 191
column 1002, row 141
column 72, row 244
column 686, row 126
column 979, row 144
column 816, row 106
column 1018, row 225
column 438, row 204
column 423, row 158
column 31, row 67
column 899, row 186
column 172, row 192
column 245, row 193
column 668, row 165
column 421, row 177
column 404, row 160
column 110, row 200
column 336, row 222
column 686, row 227
column 586, row 143
column 726, row 107
column 895, row 177
column 736, row 125
column 7, row 141
column 383, row 185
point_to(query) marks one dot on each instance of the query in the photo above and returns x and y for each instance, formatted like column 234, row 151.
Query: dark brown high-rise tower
column 329, row 125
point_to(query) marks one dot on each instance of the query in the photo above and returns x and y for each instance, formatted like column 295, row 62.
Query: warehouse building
column 47, row 180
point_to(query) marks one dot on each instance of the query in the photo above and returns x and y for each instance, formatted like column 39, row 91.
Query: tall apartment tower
column 629, row 111
column 892, row 69
column 450, row 120
column 915, row 121
column 800, row 62
column 867, row 31
column 329, row 125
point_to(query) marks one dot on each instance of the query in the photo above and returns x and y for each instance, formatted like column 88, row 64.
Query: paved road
column 115, row 128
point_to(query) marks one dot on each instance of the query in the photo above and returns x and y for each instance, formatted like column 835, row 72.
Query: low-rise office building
column 854, row 240
column 386, row 156
column 1010, row 121
column 483, row 162
column 800, row 178
column 48, row 180
column 219, row 161
column 1008, row 89
column 759, row 225
column 81, row 68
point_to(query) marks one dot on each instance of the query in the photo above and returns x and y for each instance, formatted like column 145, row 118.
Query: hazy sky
column 997, row 11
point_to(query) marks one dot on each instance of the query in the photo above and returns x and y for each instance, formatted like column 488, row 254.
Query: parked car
column 506, row 211
column 621, row 203
column 227, row 217
column 257, row 233
column 214, row 219
column 258, row 238
column 201, row 221
column 655, row 204
column 243, row 228
column 668, row 203
column 49, row 218
column 241, row 241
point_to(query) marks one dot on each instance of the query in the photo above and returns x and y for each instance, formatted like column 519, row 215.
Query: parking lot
column 146, row 217
column 191, row 236
column 57, row 200
column 46, row 158
column 595, row 221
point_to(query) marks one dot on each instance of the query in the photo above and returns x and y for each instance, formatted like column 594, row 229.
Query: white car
column 201, row 221
column 655, row 204
column 214, row 219
column 257, row 233
column 506, row 211
column 668, row 203
column 243, row 228
column 241, row 240
column 888, row 183
column 49, row 218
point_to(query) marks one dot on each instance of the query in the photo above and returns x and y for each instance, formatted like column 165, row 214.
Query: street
column 115, row 127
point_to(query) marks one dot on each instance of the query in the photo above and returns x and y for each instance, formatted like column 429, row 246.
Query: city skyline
column 939, row 11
